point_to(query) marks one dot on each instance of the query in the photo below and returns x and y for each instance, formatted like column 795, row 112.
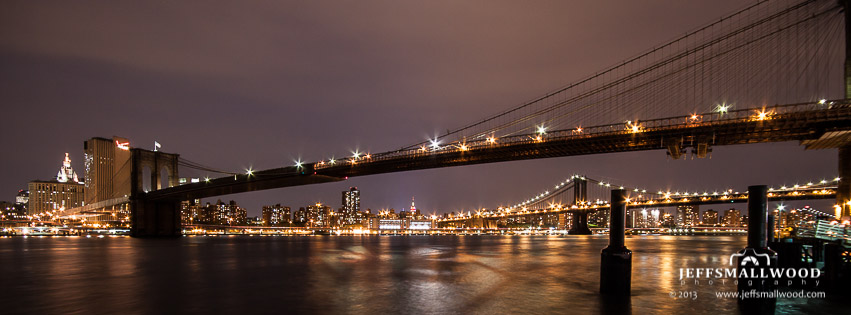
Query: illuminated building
column 710, row 217
column 599, row 218
column 420, row 225
column 668, row 220
column 7, row 210
column 21, row 202
column 66, row 172
column 732, row 217
column 350, row 213
column 319, row 215
column 191, row 212
column 351, row 199
column 276, row 215
column 107, row 163
column 225, row 213
column 55, row 195
column 300, row 217
column 687, row 215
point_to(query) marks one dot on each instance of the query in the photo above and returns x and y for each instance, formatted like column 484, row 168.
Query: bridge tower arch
column 579, row 225
column 150, row 217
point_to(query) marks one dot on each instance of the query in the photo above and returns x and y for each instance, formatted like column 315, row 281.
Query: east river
column 361, row 275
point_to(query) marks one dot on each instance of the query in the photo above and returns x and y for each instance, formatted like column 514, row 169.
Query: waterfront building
column 276, row 215
column 254, row 221
column 300, row 217
column 7, row 210
column 710, row 217
column 107, row 168
column 732, row 217
column 227, row 213
column 687, row 215
column 192, row 212
column 599, row 218
column 319, row 215
column 50, row 196
column 668, row 220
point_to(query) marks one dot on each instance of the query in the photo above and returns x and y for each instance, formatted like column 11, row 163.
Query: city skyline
column 327, row 93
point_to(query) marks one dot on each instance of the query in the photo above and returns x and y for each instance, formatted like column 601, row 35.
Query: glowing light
column 367, row 156
column 762, row 115
column 332, row 161
column 207, row 179
column 249, row 172
column 298, row 164
column 539, row 138
column 578, row 130
column 463, row 147
column 633, row 127
column 836, row 179
column 491, row 140
column 435, row 144
column 722, row 109
column 695, row 118
column 822, row 101
column 542, row 129
column 122, row 145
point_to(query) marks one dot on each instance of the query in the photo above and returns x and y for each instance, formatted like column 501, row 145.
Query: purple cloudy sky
column 262, row 83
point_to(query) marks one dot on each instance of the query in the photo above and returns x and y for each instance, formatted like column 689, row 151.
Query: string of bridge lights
column 667, row 194
column 541, row 131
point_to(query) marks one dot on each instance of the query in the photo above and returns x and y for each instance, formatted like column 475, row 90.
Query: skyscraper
column 351, row 199
column 107, row 168
column 351, row 207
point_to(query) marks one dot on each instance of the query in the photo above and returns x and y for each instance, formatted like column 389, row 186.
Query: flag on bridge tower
column 156, row 146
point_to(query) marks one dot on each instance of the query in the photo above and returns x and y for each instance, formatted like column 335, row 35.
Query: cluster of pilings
column 616, row 259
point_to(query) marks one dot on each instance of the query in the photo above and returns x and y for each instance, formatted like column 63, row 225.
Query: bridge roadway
column 778, row 195
column 818, row 124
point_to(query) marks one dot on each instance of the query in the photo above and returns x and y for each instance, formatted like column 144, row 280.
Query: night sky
column 236, row 85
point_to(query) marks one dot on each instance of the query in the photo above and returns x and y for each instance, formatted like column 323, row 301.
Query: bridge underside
column 661, row 134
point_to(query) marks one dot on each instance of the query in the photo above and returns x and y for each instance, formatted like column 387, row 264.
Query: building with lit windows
column 226, row 213
column 107, row 163
column 318, row 215
column 65, row 192
column 732, row 217
column 350, row 214
column 687, row 215
column 22, row 201
column 710, row 217
column 300, row 217
column 276, row 215
column 192, row 212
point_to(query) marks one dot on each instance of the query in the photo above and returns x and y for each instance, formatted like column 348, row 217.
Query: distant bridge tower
column 579, row 225
column 153, row 218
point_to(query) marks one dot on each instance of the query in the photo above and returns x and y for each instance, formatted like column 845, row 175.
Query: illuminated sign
column 123, row 145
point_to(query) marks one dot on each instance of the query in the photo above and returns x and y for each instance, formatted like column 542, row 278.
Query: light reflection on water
column 353, row 274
